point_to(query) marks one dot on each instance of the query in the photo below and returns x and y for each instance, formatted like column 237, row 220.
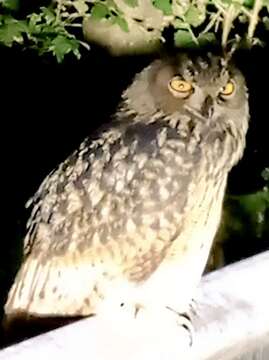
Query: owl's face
column 204, row 86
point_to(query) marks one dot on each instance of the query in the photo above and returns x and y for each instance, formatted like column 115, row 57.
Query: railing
column 232, row 323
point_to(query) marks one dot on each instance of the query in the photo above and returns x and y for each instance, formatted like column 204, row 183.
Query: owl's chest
column 201, row 222
column 175, row 280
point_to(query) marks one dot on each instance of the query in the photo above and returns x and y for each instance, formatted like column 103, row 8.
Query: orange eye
column 228, row 89
column 180, row 87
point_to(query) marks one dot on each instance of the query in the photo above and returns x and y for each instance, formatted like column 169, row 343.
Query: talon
column 185, row 321
column 137, row 307
column 193, row 307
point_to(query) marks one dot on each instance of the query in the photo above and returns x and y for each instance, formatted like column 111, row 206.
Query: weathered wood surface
column 232, row 323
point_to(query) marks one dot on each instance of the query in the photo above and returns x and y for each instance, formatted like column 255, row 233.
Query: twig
column 254, row 18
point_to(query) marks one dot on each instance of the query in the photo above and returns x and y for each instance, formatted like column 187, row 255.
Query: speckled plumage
column 131, row 215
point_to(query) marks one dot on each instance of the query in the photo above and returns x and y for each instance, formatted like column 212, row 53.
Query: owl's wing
column 109, row 212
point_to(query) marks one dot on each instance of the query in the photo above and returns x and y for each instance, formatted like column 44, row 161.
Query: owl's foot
column 167, row 318
column 184, row 320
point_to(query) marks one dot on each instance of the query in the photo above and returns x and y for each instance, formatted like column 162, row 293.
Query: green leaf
column 183, row 38
column 12, row 31
column 61, row 46
column 180, row 24
column 248, row 3
column 194, row 16
column 164, row 5
column 34, row 19
column 121, row 22
column 207, row 38
column 11, row 4
column 99, row 11
column 253, row 203
column 49, row 15
column 254, row 207
column 132, row 3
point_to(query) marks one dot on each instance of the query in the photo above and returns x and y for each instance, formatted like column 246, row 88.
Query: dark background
column 47, row 109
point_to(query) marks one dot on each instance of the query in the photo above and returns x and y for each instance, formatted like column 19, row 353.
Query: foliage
column 194, row 22
column 45, row 31
column 245, row 225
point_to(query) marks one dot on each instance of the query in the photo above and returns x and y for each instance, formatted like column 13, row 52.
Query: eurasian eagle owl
column 129, row 218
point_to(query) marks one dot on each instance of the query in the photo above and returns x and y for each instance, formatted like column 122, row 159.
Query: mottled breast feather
column 123, row 187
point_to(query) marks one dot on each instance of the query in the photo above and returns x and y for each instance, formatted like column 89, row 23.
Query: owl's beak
column 206, row 112
column 197, row 114
column 207, row 109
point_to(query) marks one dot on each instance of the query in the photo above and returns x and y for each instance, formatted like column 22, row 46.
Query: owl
column 129, row 218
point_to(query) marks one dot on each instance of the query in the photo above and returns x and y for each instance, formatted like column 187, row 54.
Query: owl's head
column 209, row 87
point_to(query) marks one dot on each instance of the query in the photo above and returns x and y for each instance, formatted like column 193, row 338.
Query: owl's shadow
column 25, row 327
